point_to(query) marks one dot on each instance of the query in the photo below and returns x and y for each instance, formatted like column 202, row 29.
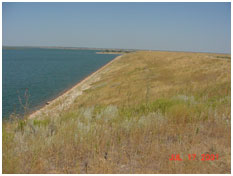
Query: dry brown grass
column 148, row 106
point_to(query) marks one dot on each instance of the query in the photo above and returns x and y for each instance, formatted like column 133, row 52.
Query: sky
column 198, row 27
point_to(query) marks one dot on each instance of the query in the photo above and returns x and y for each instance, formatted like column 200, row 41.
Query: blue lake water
column 44, row 73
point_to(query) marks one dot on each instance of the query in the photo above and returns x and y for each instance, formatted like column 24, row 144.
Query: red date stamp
column 204, row 157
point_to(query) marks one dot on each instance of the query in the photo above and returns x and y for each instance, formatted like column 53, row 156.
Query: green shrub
column 40, row 123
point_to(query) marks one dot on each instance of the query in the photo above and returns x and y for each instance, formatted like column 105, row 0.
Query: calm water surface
column 44, row 73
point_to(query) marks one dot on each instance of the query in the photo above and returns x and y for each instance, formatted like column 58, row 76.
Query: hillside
column 130, row 117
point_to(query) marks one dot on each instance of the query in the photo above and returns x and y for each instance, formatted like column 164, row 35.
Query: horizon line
column 85, row 47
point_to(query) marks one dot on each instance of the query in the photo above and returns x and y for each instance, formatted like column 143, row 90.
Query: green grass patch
column 40, row 123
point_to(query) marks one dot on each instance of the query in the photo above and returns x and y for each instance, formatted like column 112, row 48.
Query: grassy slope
column 148, row 106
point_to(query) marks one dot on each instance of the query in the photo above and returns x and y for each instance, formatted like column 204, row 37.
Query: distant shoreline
column 110, row 52
column 68, row 48
column 103, row 49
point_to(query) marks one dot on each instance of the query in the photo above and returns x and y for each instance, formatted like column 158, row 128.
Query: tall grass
column 147, row 106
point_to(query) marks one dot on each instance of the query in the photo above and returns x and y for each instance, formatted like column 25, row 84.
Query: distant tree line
column 115, row 50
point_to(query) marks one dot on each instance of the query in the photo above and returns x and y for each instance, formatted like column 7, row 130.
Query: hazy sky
column 204, row 27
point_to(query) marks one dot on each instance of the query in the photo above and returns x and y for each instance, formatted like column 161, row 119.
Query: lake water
column 43, row 73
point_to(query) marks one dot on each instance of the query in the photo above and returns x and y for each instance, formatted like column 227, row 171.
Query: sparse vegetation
column 224, row 57
column 145, row 107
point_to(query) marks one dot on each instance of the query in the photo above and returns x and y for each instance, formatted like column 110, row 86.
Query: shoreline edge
column 78, row 88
